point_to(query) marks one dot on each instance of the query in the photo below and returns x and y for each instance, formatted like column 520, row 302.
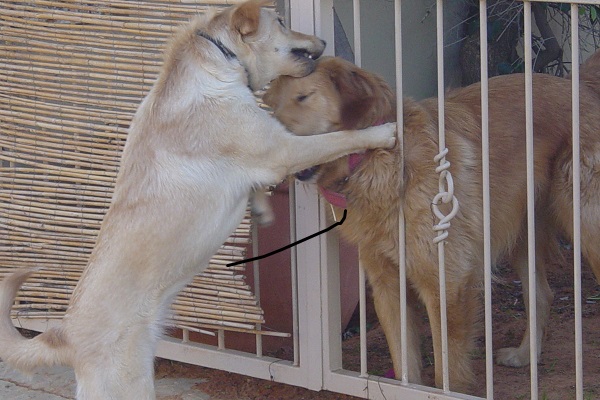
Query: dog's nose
column 319, row 51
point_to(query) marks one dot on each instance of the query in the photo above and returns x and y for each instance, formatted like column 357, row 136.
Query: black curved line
column 341, row 221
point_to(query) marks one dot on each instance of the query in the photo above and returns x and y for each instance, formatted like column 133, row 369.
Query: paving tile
column 58, row 383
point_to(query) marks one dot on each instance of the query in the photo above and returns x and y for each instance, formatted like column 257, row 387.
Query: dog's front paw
column 513, row 357
column 385, row 135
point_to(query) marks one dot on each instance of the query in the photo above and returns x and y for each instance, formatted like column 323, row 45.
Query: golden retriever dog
column 338, row 95
column 198, row 146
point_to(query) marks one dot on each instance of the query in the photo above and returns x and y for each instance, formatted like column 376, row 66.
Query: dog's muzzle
column 311, row 54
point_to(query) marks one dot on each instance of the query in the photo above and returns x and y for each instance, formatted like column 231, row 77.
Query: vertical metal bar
column 332, row 302
column 442, row 146
column 256, row 270
column 401, row 225
column 287, row 16
column 310, row 288
column 363, row 321
column 221, row 339
column 324, row 25
column 362, row 291
column 330, row 249
column 357, row 39
column 530, row 199
column 309, row 263
column 485, row 169
column 576, row 202
column 294, row 273
column 440, row 72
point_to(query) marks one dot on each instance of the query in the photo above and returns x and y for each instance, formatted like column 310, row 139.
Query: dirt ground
column 556, row 368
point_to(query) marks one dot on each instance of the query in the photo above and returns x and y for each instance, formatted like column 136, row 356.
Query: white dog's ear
column 246, row 17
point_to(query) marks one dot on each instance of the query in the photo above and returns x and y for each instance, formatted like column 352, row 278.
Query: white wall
column 419, row 45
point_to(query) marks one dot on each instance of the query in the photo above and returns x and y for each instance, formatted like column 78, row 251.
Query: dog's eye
column 302, row 97
column 280, row 20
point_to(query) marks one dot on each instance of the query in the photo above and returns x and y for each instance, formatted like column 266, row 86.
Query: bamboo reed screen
column 71, row 76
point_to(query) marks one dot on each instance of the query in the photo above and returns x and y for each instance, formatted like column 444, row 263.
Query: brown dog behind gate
column 338, row 95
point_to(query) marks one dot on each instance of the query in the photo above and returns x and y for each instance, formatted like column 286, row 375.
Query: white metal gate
column 360, row 383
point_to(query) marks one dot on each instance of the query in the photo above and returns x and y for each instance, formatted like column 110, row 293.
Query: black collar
column 224, row 49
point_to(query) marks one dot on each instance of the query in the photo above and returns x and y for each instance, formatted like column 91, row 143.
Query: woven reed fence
column 71, row 77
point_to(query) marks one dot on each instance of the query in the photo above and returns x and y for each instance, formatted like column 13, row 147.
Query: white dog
column 197, row 147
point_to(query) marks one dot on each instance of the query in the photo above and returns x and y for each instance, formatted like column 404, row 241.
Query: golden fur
column 338, row 95
column 197, row 147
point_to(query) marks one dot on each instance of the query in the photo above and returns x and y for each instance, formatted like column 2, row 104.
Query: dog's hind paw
column 262, row 211
column 264, row 218
column 513, row 357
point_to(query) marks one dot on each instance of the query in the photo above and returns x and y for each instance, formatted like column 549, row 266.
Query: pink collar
column 338, row 199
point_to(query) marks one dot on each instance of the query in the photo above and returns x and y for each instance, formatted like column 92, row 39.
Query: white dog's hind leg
column 100, row 382
column 122, row 371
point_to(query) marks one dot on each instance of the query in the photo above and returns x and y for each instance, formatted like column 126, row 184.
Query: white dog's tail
column 48, row 348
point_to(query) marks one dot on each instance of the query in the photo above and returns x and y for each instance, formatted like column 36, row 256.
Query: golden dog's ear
column 246, row 17
column 363, row 103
